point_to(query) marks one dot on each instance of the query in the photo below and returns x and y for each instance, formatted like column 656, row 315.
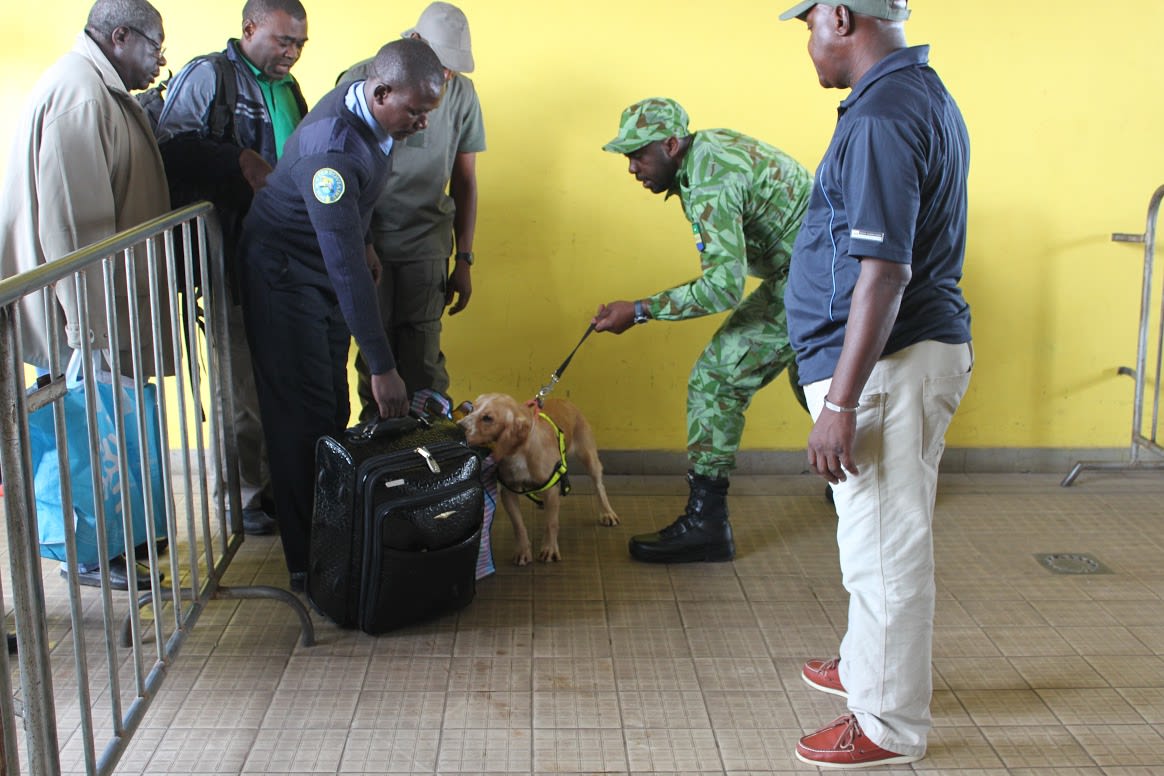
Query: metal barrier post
column 183, row 579
column 28, row 595
column 1141, row 442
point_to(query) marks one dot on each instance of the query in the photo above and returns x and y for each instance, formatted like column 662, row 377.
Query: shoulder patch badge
column 697, row 232
column 328, row 186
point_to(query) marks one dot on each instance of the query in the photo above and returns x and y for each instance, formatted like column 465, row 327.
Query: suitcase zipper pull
column 433, row 466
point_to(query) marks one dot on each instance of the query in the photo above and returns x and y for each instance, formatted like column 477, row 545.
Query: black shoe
column 298, row 581
column 256, row 522
column 690, row 539
column 141, row 552
column 118, row 576
column 11, row 643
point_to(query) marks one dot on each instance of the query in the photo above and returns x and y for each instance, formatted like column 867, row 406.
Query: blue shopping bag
column 46, row 469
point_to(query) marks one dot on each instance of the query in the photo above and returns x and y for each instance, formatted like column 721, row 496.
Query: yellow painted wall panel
column 1063, row 107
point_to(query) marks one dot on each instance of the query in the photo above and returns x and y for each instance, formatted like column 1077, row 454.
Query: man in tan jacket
column 83, row 167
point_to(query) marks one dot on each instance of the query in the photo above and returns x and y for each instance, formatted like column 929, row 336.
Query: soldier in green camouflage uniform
column 745, row 200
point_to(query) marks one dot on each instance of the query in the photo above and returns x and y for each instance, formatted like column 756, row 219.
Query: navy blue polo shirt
column 891, row 186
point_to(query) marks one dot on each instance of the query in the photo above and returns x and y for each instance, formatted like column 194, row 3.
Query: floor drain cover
column 1071, row 563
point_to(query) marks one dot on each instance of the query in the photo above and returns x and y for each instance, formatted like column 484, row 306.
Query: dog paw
column 522, row 556
column 549, row 553
column 608, row 518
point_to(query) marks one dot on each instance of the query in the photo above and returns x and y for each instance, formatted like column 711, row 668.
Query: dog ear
column 514, row 435
column 480, row 415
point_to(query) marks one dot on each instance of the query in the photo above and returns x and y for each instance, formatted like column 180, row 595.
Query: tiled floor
column 598, row 664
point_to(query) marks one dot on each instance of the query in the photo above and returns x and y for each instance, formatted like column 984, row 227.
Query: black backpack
column 153, row 100
column 189, row 179
column 231, row 201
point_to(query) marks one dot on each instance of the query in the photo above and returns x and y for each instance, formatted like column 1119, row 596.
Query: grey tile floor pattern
column 598, row 664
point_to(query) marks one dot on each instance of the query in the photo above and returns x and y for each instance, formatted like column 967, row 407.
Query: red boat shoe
column 842, row 744
column 824, row 675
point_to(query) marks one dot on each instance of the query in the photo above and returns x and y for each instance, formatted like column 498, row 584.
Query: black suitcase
column 397, row 523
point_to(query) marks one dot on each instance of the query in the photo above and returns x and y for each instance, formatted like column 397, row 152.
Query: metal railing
column 143, row 285
column 1144, row 436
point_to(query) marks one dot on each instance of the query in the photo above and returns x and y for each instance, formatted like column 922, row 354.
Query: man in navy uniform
column 309, row 272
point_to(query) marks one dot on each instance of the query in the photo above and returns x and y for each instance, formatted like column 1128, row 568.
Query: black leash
column 557, row 375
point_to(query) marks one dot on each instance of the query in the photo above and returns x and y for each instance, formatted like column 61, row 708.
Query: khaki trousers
column 885, row 536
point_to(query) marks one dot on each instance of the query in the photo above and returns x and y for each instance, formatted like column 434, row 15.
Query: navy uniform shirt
column 891, row 186
column 308, row 225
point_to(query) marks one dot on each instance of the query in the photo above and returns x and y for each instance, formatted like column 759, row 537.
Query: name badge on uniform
column 328, row 186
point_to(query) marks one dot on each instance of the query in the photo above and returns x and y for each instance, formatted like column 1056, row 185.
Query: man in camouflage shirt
column 745, row 200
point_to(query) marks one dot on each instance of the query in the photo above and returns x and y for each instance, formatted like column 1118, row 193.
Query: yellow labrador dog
column 529, row 454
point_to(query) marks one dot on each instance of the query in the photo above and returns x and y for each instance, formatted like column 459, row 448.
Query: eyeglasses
column 159, row 49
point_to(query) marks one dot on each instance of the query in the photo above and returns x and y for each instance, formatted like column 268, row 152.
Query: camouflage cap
column 655, row 118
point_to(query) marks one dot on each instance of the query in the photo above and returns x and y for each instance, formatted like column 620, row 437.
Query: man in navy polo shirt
column 882, row 339
column 308, row 273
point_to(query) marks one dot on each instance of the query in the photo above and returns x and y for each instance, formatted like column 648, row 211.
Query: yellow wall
column 1062, row 101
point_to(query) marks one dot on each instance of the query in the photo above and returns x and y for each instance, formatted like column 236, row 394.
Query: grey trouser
column 254, row 477
column 412, row 301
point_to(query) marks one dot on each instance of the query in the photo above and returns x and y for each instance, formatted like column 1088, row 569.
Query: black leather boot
column 701, row 533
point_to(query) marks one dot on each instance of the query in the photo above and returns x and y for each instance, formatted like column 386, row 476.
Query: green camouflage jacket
column 745, row 200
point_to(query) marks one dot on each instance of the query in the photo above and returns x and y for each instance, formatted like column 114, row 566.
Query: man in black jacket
column 226, row 118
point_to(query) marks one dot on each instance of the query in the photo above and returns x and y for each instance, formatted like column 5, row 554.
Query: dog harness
column 557, row 476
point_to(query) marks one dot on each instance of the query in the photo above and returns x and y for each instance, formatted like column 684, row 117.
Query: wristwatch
column 465, row 256
column 641, row 312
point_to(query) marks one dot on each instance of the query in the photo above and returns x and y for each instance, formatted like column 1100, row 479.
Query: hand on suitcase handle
column 390, row 393
column 390, row 426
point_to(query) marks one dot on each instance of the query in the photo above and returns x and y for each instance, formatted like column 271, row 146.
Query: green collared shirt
column 745, row 200
column 280, row 101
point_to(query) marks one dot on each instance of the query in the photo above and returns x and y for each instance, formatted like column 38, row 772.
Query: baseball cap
column 446, row 30
column 655, row 118
column 891, row 10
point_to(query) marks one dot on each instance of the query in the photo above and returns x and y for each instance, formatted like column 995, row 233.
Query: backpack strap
column 221, row 119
